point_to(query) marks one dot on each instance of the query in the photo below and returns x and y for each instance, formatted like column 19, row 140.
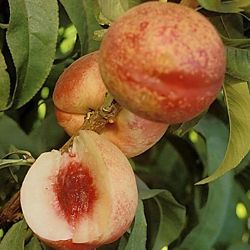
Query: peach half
column 82, row 199
column 163, row 61
column 80, row 89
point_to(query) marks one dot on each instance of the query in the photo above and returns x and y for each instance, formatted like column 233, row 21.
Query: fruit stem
column 96, row 120
column 190, row 3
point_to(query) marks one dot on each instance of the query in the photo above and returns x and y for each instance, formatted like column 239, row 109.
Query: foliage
column 39, row 39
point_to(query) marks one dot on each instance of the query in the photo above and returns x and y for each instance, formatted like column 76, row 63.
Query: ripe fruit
column 80, row 89
column 163, row 61
column 81, row 199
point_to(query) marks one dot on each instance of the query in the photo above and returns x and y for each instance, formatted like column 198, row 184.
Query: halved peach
column 82, row 199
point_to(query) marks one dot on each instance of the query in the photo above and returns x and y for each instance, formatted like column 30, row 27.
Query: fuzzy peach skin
column 80, row 89
column 163, row 61
column 82, row 199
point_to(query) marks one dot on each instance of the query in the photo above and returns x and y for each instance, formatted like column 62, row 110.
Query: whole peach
column 163, row 61
column 80, row 199
column 80, row 89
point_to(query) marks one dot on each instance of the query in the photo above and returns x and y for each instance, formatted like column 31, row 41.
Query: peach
column 80, row 199
column 163, row 61
column 80, row 89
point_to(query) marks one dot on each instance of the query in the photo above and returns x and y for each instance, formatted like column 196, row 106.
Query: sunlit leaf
column 237, row 99
column 204, row 235
column 112, row 9
column 32, row 37
column 138, row 236
column 82, row 16
column 224, row 6
column 15, row 237
column 4, row 83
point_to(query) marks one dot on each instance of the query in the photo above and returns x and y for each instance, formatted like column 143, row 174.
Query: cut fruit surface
column 75, row 191
column 86, row 197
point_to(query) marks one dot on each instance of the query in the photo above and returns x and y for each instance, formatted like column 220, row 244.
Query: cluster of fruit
column 164, row 64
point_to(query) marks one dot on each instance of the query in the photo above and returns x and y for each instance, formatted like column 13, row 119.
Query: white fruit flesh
column 122, row 186
column 114, row 183
column 37, row 198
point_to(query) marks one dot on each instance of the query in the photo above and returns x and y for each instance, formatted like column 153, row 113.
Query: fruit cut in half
column 163, row 61
column 82, row 199
column 80, row 89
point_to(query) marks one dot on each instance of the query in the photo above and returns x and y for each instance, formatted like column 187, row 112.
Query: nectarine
column 80, row 89
column 163, row 61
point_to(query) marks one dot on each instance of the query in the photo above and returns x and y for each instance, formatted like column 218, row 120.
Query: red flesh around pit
column 75, row 191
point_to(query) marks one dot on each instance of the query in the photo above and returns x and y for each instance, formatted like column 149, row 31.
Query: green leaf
column 138, row 236
column 237, row 45
column 165, row 216
column 239, row 246
column 229, row 25
column 238, row 63
column 122, row 243
column 12, row 134
column 149, row 193
column 34, row 244
column 48, row 135
column 82, row 16
column 15, row 237
column 227, row 235
column 231, row 80
column 184, row 127
column 112, row 9
column 32, row 37
column 166, row 219
column 204, row 235
column 224, row 6
column 4, row 83
column 237, row 99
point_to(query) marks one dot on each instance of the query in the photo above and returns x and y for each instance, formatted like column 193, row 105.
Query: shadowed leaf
column 204, row 235
column 4, row 83
column 138, row 236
